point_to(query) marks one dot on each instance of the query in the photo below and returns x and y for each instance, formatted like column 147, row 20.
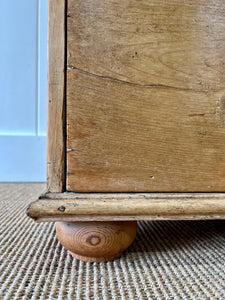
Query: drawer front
column 145, row 96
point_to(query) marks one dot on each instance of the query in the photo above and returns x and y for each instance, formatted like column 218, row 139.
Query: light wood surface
column 127, row 206
column 146, row 96
column 177, row 43
column 56, row 98
column 96, row 241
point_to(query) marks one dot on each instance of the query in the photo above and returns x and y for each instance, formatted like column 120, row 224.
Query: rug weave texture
column 168, row 260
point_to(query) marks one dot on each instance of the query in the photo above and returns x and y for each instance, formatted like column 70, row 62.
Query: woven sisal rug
column 168, row 260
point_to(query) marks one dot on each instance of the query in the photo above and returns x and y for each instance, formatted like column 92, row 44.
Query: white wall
column 23, row 90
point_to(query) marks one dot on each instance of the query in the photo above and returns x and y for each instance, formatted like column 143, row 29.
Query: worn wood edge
column 56, row 160
column 130, row 218
column 133, row 195
column 125, row 207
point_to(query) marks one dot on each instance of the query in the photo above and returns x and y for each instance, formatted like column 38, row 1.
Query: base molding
column 70, row 207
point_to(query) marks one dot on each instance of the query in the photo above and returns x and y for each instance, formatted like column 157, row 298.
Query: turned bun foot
column 96, row 241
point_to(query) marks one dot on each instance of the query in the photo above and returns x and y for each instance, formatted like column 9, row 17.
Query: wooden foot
column 96, row 241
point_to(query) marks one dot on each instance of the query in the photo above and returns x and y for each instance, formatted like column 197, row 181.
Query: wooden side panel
column 56, row 97
column 146, row 96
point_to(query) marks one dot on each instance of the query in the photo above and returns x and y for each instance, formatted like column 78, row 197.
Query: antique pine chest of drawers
column 136, row 125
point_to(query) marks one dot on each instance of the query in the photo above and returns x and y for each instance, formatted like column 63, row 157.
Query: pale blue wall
column 23, row 86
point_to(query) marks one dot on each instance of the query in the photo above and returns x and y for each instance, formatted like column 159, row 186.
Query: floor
column 168, row 260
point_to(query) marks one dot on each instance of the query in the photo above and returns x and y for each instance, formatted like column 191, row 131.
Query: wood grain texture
column 56, row 97
column 127, row 206
column 146, row 96
column 177, row 43
column 96, row 241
